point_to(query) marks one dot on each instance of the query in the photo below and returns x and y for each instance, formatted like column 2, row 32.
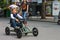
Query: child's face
column 14, row 11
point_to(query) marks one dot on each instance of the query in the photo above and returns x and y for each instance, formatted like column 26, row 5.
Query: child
column 14, row 19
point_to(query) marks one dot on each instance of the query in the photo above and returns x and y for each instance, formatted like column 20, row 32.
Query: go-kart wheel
column 35, row 31
column 58, row 22
column 7, row 31
column 19, row 33
column 26, row 34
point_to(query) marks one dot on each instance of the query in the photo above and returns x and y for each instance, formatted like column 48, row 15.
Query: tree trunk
column 43, row 10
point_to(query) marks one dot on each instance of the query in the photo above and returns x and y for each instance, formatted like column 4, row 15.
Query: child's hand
column 17, row 20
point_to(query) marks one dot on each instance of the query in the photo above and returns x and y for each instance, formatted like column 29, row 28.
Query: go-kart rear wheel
column 7, row 31
column 35, row 31
column 19, row 33
column 58, row 22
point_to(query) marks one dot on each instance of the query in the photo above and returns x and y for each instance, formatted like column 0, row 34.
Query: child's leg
column 14, row 23
column 19, row 24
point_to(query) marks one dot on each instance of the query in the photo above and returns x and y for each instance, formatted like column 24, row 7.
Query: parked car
column 58, row 19
column 1, row 12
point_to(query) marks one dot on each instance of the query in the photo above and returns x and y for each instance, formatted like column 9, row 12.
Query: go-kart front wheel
column 7, row 31
column 35, row 31
column 19, row 33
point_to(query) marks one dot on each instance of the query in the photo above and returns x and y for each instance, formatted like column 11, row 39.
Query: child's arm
column 12, row 17
column 20, row 17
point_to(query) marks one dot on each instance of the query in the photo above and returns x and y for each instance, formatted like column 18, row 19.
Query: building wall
column 15, row 0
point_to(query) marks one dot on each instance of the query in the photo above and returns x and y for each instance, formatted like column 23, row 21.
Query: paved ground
column 48, row 19
column 47, row 31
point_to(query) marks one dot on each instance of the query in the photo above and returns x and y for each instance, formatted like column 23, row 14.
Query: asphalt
column 47, row 31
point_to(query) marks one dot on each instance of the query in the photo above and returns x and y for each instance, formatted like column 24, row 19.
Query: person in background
column 25, row 7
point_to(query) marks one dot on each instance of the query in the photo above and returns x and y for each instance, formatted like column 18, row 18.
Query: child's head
column 14, row 10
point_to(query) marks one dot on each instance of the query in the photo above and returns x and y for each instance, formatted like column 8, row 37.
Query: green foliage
column 3, row 4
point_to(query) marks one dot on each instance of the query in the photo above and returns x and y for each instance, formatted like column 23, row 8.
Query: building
column 35, row 6
column 49, row 7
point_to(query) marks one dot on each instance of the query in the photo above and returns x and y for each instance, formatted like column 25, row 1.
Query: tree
column 43, row 16
column 43, row 10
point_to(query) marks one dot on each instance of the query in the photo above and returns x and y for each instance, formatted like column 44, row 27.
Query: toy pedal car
column 20, row 31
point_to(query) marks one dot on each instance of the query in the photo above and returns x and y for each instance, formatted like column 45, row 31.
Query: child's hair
column 13, row 9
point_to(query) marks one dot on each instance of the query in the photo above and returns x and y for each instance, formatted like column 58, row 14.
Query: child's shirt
column 13, row 16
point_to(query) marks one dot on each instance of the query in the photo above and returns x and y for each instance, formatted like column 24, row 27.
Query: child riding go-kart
column 18, row 23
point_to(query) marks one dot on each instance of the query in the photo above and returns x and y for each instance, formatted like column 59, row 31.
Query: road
column 47, row 31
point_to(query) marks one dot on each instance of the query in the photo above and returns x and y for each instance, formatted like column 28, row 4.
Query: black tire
column 19, row 33
column 58, row 22
column 35, row 31
column 26, row 34
column 7, row 31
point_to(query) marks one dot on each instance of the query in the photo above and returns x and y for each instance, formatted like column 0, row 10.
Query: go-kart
column 21, row 30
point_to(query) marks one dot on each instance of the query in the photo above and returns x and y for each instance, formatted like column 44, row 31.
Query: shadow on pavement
column 13, row 34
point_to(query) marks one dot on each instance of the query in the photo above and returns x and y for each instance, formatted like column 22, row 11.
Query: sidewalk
column 38, row 18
